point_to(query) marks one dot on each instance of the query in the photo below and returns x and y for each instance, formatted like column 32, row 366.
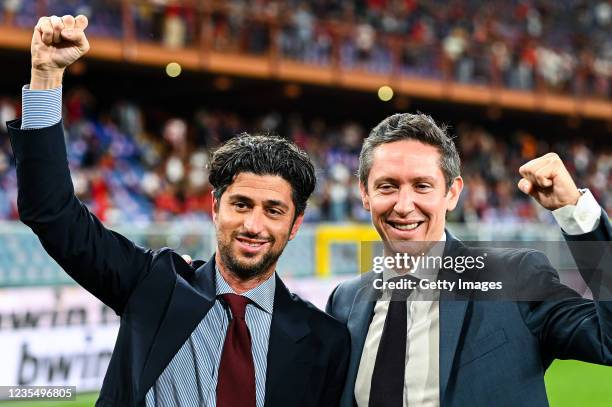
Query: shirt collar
column 262, row 295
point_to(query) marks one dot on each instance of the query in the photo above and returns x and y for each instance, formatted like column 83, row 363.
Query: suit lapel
column 285, row 372
column 358, row 323
column 452, row 314
column 188, row 305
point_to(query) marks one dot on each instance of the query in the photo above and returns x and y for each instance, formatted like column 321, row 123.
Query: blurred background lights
column 292, row 90
column 173, row 69
column 385, row 93
column 222, row 83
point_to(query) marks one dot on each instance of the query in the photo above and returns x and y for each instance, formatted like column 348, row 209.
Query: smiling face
column 254, row 220
column 406, row 192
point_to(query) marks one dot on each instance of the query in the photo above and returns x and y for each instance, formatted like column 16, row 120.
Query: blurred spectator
column 125, row 174
column 175, row 28
column 562, row 46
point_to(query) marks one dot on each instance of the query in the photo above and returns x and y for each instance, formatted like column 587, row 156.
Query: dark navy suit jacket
column 492, row 352
column 159, row 297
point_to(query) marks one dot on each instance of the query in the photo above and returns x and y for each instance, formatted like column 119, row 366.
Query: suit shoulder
column 510, row 255
column 318, row 316
column 354, row 284
column 163, row 256
column 171, row 262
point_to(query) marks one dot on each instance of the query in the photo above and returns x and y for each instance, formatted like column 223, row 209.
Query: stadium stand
column 558, row 46
column 126, row 174
column 561, row 46
column 139, row 163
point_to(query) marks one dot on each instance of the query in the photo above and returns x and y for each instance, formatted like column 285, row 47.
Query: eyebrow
column 383, row 179
column 267, row 202
column 420, row 178
column 275, row 202
column 424, row 178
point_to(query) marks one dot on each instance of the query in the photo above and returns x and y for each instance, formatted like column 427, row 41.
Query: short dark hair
column 407, row 126
column 263, row 154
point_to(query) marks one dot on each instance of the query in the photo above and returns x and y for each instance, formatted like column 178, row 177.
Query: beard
column 245, row 270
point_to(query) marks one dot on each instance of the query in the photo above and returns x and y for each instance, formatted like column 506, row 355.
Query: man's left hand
column 547, row 180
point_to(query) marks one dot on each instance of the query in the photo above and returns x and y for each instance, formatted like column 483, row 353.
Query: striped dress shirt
column 191, row 377
column 41, row 108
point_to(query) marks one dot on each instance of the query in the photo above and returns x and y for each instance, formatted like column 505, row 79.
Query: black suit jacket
column 159, row 297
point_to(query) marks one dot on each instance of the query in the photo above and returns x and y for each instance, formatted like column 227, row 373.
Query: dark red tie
column 236, row 379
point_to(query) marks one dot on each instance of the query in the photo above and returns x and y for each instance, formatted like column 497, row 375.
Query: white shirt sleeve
column 580, row 218
column 40, row 108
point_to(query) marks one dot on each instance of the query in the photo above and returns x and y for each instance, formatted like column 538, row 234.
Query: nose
column 254, row 221
column 405, row 202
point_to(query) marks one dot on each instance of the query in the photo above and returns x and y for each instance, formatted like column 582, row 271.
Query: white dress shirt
column 422, row 346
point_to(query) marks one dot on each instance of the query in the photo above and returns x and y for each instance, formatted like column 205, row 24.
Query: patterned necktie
column 387, row 386
column 236, row 379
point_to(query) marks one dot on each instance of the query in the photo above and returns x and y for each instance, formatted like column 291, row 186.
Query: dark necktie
column 387, row 386
column 236, row 379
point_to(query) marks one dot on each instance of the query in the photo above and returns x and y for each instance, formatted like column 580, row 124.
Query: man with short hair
column 442, row 347
column 226, row 332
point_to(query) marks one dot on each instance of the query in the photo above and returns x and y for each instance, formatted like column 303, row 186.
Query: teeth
column 253, row 244
column 409, row 226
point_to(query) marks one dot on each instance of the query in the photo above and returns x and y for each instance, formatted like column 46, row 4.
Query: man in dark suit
column 226, row 332
column 441, row 346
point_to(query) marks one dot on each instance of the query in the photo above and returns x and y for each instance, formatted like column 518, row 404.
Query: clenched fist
column 547, row 180
column 56, row 43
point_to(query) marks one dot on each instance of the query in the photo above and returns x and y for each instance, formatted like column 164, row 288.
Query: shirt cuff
column 41, row 108
column 580, row 218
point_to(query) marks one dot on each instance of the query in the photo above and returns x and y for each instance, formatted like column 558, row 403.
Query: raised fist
column 56, row 43
column 547, row 180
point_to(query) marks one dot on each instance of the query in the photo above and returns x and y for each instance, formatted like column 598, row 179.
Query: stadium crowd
column 127, row 173
column 562, row 46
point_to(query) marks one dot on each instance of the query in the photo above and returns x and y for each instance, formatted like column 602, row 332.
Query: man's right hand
column 56, row 43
